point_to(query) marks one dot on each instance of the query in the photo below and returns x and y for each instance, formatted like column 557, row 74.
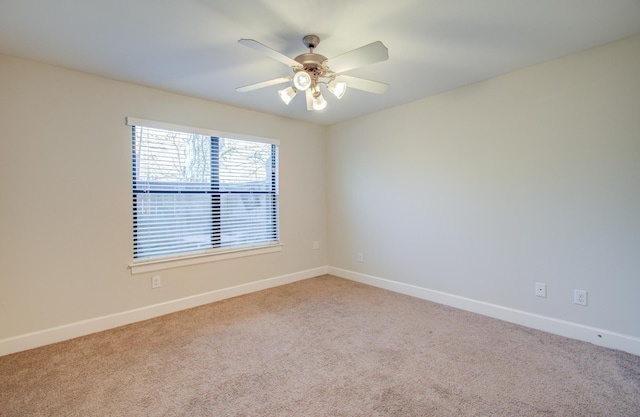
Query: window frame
column 211, row 254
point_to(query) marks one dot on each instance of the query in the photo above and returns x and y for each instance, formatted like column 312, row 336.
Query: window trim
column 209, row 255
column 212, row 255
column 134, row 121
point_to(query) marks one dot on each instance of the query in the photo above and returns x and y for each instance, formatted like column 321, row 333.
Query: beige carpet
column 321, row 347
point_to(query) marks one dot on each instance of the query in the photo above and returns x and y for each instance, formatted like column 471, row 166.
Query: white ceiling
column 190, row 46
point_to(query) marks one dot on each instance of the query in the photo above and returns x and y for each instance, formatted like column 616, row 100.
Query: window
column 198, row 192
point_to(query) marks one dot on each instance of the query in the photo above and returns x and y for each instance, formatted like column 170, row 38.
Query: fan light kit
column 310, row 70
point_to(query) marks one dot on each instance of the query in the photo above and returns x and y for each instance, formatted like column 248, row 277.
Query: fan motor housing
column 312, row 63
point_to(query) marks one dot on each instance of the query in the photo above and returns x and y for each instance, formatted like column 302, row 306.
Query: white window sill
column 141, row 267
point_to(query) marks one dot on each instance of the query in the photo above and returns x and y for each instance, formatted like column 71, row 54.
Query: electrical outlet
column 580, row 297
column 155, row 281
column 360, row 257
column 541, row 290
column 316, row 245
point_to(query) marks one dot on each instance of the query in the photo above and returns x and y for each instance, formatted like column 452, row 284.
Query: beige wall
column 480, row 192
column 65, row 197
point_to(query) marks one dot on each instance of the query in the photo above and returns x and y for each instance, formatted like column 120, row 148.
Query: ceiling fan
column 310, row 70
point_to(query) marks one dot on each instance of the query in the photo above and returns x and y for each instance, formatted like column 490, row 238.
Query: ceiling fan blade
column 364, row 85
column 269, row 52
column 263, row 84
column 368, row 54
column 309, row 99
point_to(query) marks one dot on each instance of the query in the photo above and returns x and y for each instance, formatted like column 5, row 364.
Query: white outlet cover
column 155, row 281
column 541, row 289
column 580, row 297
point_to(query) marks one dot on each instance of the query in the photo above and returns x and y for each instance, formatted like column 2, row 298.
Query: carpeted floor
column 321, row 347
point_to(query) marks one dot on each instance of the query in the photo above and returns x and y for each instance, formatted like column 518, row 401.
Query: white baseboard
column 593, row 335
column 571, row 330
column 98, row 324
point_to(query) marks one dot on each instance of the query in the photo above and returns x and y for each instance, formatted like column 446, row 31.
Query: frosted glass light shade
column 337, row 88
column 319, row 102
column 302, row 80
column 287, row 94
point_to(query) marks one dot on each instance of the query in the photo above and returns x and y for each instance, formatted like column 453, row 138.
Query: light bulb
column 302, row 80
column 288, row 94
column 337, row 88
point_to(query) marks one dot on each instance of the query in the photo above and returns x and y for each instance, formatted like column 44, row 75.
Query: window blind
column 194, row 192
